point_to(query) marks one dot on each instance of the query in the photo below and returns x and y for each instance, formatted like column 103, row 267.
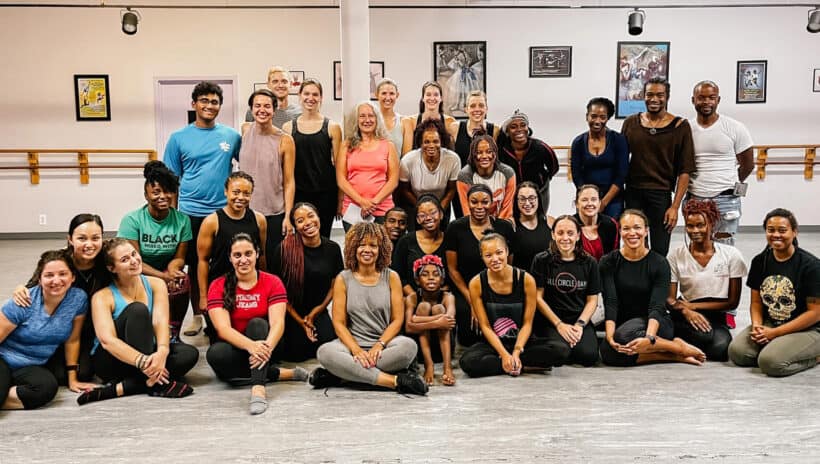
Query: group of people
column 516, row 288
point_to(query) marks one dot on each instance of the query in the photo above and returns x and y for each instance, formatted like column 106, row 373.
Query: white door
column 172, row 102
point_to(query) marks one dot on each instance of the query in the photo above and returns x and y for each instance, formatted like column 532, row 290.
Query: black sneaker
column 322, row 378
column 410, row 384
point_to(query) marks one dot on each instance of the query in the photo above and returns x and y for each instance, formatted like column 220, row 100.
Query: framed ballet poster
column 751, row 81
column 637, row 63
column 551, row 61
column 92, row 101
column 460, row 68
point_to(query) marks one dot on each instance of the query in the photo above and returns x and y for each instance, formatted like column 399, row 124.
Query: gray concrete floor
column 658, row 413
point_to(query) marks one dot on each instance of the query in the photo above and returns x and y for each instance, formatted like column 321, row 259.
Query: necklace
column 653, row 129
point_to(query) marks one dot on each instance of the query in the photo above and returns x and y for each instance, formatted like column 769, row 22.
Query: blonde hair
column 354, row 137
column 386, row 81
column 276, row 69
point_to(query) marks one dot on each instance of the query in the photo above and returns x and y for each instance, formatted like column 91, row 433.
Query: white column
column 354, row 17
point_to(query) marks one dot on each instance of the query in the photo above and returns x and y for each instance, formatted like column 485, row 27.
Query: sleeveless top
column 120, row 304
column 259, row 156
column 505, row 312
column 367, row 174
column 463, row 140
column 368, row 307
column 314, row 171
column 219, row 263
column 397, row 135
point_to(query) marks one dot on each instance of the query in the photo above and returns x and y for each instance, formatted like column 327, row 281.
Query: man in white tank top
column 724, row 158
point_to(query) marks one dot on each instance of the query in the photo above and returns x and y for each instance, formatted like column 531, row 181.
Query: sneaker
column 322, row 378
column 411, row 384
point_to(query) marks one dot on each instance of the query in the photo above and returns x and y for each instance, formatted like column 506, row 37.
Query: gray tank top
column 368, row 307
column 396, row 135
column 259, row 156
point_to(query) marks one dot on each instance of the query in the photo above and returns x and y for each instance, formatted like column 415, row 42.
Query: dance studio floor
column 658, row 413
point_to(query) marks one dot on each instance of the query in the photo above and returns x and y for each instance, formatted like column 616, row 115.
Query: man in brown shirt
column 663, row 157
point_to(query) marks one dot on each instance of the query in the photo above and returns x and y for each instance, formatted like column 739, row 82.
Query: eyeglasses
column 206, row 101
column 530, row 199
column 424, row 216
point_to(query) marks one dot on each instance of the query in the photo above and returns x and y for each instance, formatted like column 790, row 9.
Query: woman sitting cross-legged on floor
column 368, row 313
column 247, row 309
column 132, row 351
column 635, row 280
column 503, row 300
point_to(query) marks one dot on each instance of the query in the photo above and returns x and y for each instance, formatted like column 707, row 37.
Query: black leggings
column 585, row 352
column 464, row 333
column 134, row 328
column 714, row 343
column 273, row 238
column 628, row 331
column 481, row 359
column 296, row 347
column 36, row 385
column 231, row 364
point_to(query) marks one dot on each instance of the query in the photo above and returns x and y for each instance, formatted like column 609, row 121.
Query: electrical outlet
column 43, row 220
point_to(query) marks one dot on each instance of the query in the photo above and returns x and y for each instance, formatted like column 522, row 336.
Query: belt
column 730, row 191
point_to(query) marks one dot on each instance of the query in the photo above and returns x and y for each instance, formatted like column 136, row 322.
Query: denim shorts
column 730, row 212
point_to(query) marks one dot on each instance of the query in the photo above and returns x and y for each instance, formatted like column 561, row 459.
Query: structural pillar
column 354, row 17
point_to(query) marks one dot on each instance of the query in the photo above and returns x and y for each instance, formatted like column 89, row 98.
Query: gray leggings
column 337, row 358
column 783, row 356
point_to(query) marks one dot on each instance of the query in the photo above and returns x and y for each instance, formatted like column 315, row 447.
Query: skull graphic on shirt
column 777, row 293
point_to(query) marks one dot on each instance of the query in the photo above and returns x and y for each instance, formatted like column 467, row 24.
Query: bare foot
column 428, row 376
column 447, row 378
column 690, row 360
column 685, row 350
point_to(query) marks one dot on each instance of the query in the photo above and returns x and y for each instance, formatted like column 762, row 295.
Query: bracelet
column 381, row 343
column 519, row 348
column 72, row 367
column 137, row 361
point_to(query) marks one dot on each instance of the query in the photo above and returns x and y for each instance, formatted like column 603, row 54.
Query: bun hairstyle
column 489, row 236
column 157, row 173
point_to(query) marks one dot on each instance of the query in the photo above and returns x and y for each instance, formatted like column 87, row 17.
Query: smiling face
column 565, row 234
column 588, row 203
column 779, row 233
column 479, row 204
column 705, row 99
column 368, row 251
column 86, row 240
column 395, row 222
column 655, row 98
column 494, row 254
column 207, row 108
column 125, row 261
column 597, row 118
column 387, row 96
column 484, row 156
column 527, row 199
column 519, row 131
column 310, row 97
column 159, row 200
column 698, row 228
column 306, row 222
column 262, row 109
column 239, row 193
column 431, row 144
column 428, row 216
column 634, row 231
column 430, row 278
column 243, row 258
column 431, row 97
column 56, row 278
column 367, row 119
column 279, row 84
column 476, row 109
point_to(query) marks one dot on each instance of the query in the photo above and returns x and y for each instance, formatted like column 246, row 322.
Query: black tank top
column 463, row 140
column 219, row 263
column 502, row 310
column 313, row 170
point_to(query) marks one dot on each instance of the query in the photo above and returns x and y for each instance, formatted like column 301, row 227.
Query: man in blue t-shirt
column 200, row 154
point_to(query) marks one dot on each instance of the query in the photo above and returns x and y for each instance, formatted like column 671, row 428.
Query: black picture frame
column 815, row 81
column 636, row 63
column 92, row 97
column 376, row 74
column 751, row 82
column 551, row 61
column 459, row 67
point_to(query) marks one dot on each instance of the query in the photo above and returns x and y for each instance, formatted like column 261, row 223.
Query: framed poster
column 296, row 79
column 91, row 98
column 816, row 81
column 751, row 81
column 460, row 68
column 551, row 61
column 637, row 63
column 376, row 74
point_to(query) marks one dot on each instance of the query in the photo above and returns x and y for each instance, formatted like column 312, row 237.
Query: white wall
column 43, row 48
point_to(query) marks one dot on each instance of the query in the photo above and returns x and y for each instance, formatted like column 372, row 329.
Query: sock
column 273, row 373
column 104, row 392
column 173, row 389
column 300, row 374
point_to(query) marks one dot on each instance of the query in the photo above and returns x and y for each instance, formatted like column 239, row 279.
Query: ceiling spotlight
column 814, row 21
column 636, row 19
column 129, row 19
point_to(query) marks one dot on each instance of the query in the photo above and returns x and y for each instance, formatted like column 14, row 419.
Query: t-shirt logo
column 566, row 282
column 225, row 146
column 777, row 293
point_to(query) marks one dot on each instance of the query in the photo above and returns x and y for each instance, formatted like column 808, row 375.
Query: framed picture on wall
column 296, row 79
column 460, row 68
column 815, row 86
column 92, row 101
column 551, row 61
column 751, row 81
column 376, row 74
column 637, row 63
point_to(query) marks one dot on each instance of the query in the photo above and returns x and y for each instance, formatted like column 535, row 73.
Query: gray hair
column 354, row 135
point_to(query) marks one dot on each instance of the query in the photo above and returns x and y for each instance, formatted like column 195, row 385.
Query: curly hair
column 434, row 125
column 707, row 208
column 156, row 172
column 358, row 234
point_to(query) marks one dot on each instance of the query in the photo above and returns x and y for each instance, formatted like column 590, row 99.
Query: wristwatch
column 581, row 322
column 652, row 339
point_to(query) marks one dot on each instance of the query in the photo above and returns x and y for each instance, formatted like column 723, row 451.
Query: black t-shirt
column 460, row 238
column 408, row 251
column 566, row 284
column 634, row 288
column 530, row 242
column 322, row 265
column 785, row 286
